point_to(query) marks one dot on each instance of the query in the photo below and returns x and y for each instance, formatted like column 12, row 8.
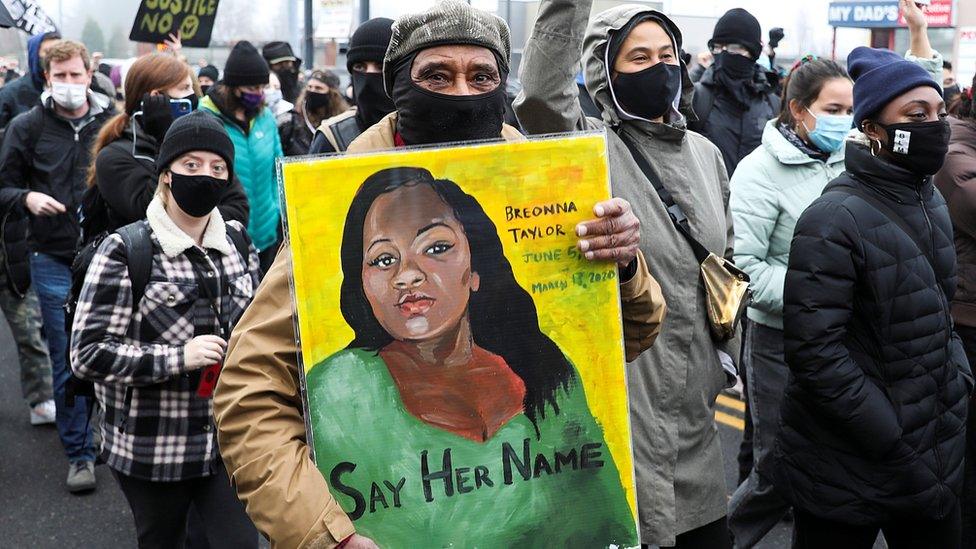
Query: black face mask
column 427, row 117
column 205, row 88
column 372, row 103
column 289, row 84
column 919, row 147
column 197, row 195
column 737, row 67
column 315, row 101
column 650, row 92
column 951, row 92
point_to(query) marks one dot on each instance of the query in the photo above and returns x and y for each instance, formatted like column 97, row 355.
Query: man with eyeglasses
column 734, row 99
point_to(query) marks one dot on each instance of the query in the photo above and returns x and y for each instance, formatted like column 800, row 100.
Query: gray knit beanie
column 449, row 22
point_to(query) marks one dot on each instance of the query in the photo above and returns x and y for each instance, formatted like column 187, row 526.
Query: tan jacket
column 258, row 401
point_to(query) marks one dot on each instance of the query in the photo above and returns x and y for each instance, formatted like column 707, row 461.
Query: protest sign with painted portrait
column 463, row 364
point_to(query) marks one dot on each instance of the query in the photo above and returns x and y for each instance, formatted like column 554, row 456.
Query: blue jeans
column 52, row 282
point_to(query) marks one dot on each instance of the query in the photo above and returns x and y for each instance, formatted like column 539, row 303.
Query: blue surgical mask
column 830, row 131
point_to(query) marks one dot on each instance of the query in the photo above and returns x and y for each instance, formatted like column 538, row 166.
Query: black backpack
column 139, row 256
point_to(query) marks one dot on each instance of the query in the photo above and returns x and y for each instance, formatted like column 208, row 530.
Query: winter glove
column 156, row 115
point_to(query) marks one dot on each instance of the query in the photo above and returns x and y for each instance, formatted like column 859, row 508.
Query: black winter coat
column 874, row 415
column 46, row 153
column 296, row 136
column 735, row 128
column 17, row 98
column 126, row 179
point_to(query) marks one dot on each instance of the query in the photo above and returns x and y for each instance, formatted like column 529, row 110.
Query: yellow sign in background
column 535, row 192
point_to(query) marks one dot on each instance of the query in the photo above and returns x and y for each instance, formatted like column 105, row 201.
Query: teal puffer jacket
column 254, row 164
column 769, row 190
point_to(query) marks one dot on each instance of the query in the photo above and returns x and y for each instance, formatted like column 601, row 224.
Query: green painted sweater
column 515, row 490
column 254, row 165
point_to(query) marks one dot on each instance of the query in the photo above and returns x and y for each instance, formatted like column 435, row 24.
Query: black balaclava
column 427, row 118
column 372, row 103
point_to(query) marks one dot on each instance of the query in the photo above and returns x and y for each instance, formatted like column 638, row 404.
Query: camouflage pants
column 24, row 317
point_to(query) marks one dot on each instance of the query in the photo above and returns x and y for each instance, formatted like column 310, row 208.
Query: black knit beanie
column 246, row 67
column 210, row 72
column 197, row 131
column 738, row 26
column 369, row 42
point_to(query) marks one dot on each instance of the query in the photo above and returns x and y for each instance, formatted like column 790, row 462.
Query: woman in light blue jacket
column 801, row 152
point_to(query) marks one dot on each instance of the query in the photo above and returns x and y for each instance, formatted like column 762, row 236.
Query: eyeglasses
column 737, row 49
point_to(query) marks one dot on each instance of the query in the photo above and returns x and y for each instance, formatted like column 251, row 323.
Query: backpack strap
column 703, row 104
column 241, row 241
column 139, row 256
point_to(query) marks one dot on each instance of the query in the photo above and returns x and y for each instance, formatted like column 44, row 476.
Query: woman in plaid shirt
column 154, row 364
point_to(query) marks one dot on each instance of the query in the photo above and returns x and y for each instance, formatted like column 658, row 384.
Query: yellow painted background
column 583, row 321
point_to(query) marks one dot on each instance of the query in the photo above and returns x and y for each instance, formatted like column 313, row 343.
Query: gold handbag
column 726, row 295
column 726, row 286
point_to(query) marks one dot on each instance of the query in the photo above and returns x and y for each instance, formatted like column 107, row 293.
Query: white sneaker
column 43, row 413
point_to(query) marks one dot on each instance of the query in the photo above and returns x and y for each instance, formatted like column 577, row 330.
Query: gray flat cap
column 448, row 22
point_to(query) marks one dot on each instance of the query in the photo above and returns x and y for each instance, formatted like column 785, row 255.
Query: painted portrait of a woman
column 449, row 372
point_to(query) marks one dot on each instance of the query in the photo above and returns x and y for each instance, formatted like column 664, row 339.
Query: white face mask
column 69, row 96
column 272, row 96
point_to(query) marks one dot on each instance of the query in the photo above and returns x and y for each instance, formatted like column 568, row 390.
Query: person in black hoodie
column 22, row 94
column 734, row 99
column 364, row 60
column 122, row 180
column 42, row 170
column 873, row 420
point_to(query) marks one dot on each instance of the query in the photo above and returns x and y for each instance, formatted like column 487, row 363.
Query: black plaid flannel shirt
column 155, row 426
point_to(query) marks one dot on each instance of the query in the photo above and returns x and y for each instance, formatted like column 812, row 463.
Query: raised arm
column 549, row 100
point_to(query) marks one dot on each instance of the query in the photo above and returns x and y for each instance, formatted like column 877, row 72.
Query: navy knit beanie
column 879, row 77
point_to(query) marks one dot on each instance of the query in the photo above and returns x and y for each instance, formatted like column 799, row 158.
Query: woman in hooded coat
column 644, row 98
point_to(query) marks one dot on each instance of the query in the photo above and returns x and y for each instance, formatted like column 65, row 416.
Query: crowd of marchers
column 145, row 277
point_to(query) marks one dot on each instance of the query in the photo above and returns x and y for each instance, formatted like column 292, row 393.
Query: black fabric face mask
column 427, row 117
column 314, row 100
column 737, row 67
column 289, row 84
column 197, row 195
column 650, row 92
column 205, row 88
column 372, row 103
column 951, row 91
column 919, row 147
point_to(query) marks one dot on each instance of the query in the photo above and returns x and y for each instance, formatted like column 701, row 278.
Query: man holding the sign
column 446, row 70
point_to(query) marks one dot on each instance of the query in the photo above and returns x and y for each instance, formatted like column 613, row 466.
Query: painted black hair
column 805, row 82
column 503, row 315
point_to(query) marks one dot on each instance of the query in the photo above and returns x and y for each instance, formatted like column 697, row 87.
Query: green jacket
column 558, row 489
column 254, row 165
column 770, row 189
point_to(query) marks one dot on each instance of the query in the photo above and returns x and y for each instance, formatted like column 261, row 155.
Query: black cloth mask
column 648, row 93
column 197, row 195
column 315, row 101
column 735, row 66
column 427, row 117
column 919, row 147
column 289, row 84
column 372, row 103
column 951, row 92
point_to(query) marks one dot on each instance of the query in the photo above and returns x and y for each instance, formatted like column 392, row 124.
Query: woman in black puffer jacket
column 873, row 420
